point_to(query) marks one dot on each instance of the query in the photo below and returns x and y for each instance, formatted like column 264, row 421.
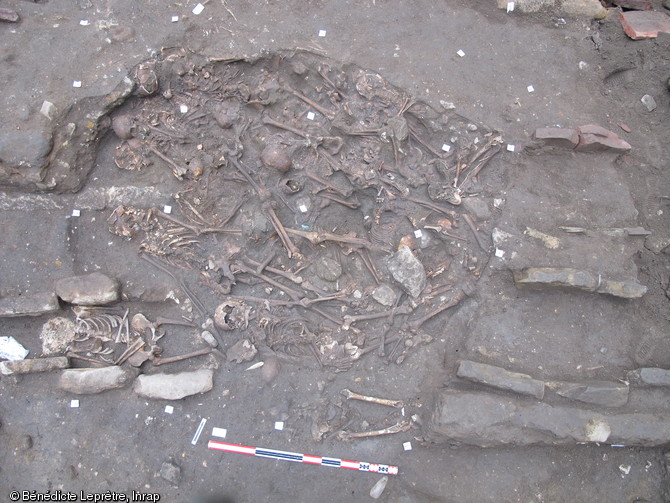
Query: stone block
column 644, row 24
column 29, row 305
column 650, row 376
column 88, row 290
column 565, row 277
column 96, row 380
column 34, row 365
column 488, row 420
column 500, row 378
column 605, row 393
column 174, row 386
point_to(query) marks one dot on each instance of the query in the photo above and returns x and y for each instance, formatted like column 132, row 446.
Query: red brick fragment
column 557, row 137
column 594, row 138
column 633, row 4
column 644, row 24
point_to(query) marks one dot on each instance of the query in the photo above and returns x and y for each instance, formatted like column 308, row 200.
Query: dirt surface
column 581, row 71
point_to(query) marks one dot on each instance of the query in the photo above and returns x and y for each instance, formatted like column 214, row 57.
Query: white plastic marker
column 296, row 457
column 460, row 53
column 510, row 7
column 197, row 10
column 322, row 33
column 198, row 431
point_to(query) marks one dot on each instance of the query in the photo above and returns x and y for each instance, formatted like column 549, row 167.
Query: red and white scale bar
column 304, row 458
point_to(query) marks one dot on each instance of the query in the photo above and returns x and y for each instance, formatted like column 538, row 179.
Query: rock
column 623, row 289
column 174, row 386
column 580, row 280
column 171, row 473
column 94, row 380
column 656, row 243
column 241, row 351
column 594, row 138
column 557, row 137
column 88, row 290
column 556, row 277
column 33, row 365
column 605, row 393
column 29, row 305
column 650, row 376
column 589, row 8
column 488, row 420
column 328, row 269
column 56, row 335
column 666, row 4
column 9, row 15
column 408, row 271
column 500, row 378
column 477, row 207
column 644, row 24
column 649, row 102
column 384, row 294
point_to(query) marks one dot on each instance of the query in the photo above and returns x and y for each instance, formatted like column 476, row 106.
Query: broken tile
column 633, row 4
column 594, row 138
column 558, row 137
column 644, row 24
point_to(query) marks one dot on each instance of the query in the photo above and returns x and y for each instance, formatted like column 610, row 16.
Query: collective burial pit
column 328, row 212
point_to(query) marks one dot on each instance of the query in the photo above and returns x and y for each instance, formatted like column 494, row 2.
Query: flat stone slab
column 29, row 305
column 88, row 290
column 500, row 378
column 564, row 277
column 33, row 365
column 644, row 24
column 650, row 376
column 407, row 270
column 174, row 386
column 605, row 393
column 488, row 420
column 91, row 381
